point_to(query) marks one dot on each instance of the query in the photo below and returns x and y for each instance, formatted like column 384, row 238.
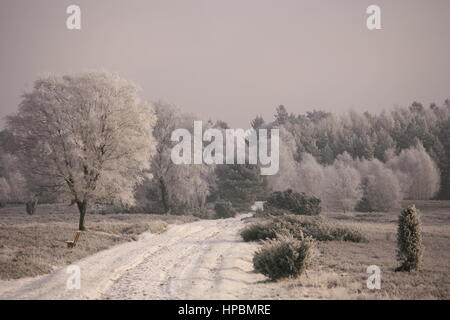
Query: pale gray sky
column 233, row 59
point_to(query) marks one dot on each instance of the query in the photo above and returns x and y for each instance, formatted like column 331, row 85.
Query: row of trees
column 88, row 138
column 367, row 136
column 186, row 188
column 357, row 183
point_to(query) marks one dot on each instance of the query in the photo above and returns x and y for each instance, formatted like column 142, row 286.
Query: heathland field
column 35, row 245
column 209, row 256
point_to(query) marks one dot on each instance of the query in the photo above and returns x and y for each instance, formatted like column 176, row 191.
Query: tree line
column 375, row 137
column 88, row 138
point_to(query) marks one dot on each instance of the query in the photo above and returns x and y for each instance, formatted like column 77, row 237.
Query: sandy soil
column 200, row 260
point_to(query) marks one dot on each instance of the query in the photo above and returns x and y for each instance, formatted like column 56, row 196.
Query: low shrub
column 283, row 257
column 224, row 209
column 347, row 234
column 270, row 211
column 258, row 231
column 297, row 203
column 321, row 230
column 31, row 206
column 205, row 213
column 317, row 228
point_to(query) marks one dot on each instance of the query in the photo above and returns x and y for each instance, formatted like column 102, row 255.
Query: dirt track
column 200, row 260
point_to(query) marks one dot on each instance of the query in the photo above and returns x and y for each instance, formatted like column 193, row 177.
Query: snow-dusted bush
column 224, row 209
column 283, row 257
column 409, row 240
column 298, row 226
column 293, row 202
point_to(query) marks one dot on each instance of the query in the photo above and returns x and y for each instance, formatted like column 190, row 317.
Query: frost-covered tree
column 179, row 188
column 382, row 191
column 86, row 135
column 370, row 135
column 162, row 167
column 282, row 115
column 417, row 173
column 257, row 123
column 191, row 188
column 15, row 189
column 310, row 176
column 342, row 185
column 5, row 191
column 287, row 175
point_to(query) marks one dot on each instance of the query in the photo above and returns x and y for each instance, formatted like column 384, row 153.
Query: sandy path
column 200, row 260
column 209, row 263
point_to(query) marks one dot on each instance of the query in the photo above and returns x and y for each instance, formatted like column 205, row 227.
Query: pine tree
column 240, row 184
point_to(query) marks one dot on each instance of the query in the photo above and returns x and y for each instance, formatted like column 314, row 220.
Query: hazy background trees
column 365, row 161
column 311, row 176
column 342, row 187
column 383, row 136
column 418, row 173
column 13, row 187
column 381, row 188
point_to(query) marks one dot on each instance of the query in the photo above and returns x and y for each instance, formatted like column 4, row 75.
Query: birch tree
column 311, row 176
column 342, row 189
column 417, row 172
column 181, row 188
column 87, row 136
column 382, row 191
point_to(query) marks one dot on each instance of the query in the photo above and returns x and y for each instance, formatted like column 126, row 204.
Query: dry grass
column 35, row 245
column 339, row 271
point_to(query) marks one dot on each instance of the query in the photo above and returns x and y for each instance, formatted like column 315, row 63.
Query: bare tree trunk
column 164, row 195
column 31, row 206
column 82, row 206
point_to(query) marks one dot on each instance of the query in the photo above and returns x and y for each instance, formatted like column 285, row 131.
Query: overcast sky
column 233, row 59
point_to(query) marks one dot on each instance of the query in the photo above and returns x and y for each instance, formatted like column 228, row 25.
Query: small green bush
column 258, row 231
column 347, row 234
column 224, row 209
column 270, row 211
column 317, row 228
column 283, row 257
column 297, row 203
column 31, row 206
column 409, row 240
